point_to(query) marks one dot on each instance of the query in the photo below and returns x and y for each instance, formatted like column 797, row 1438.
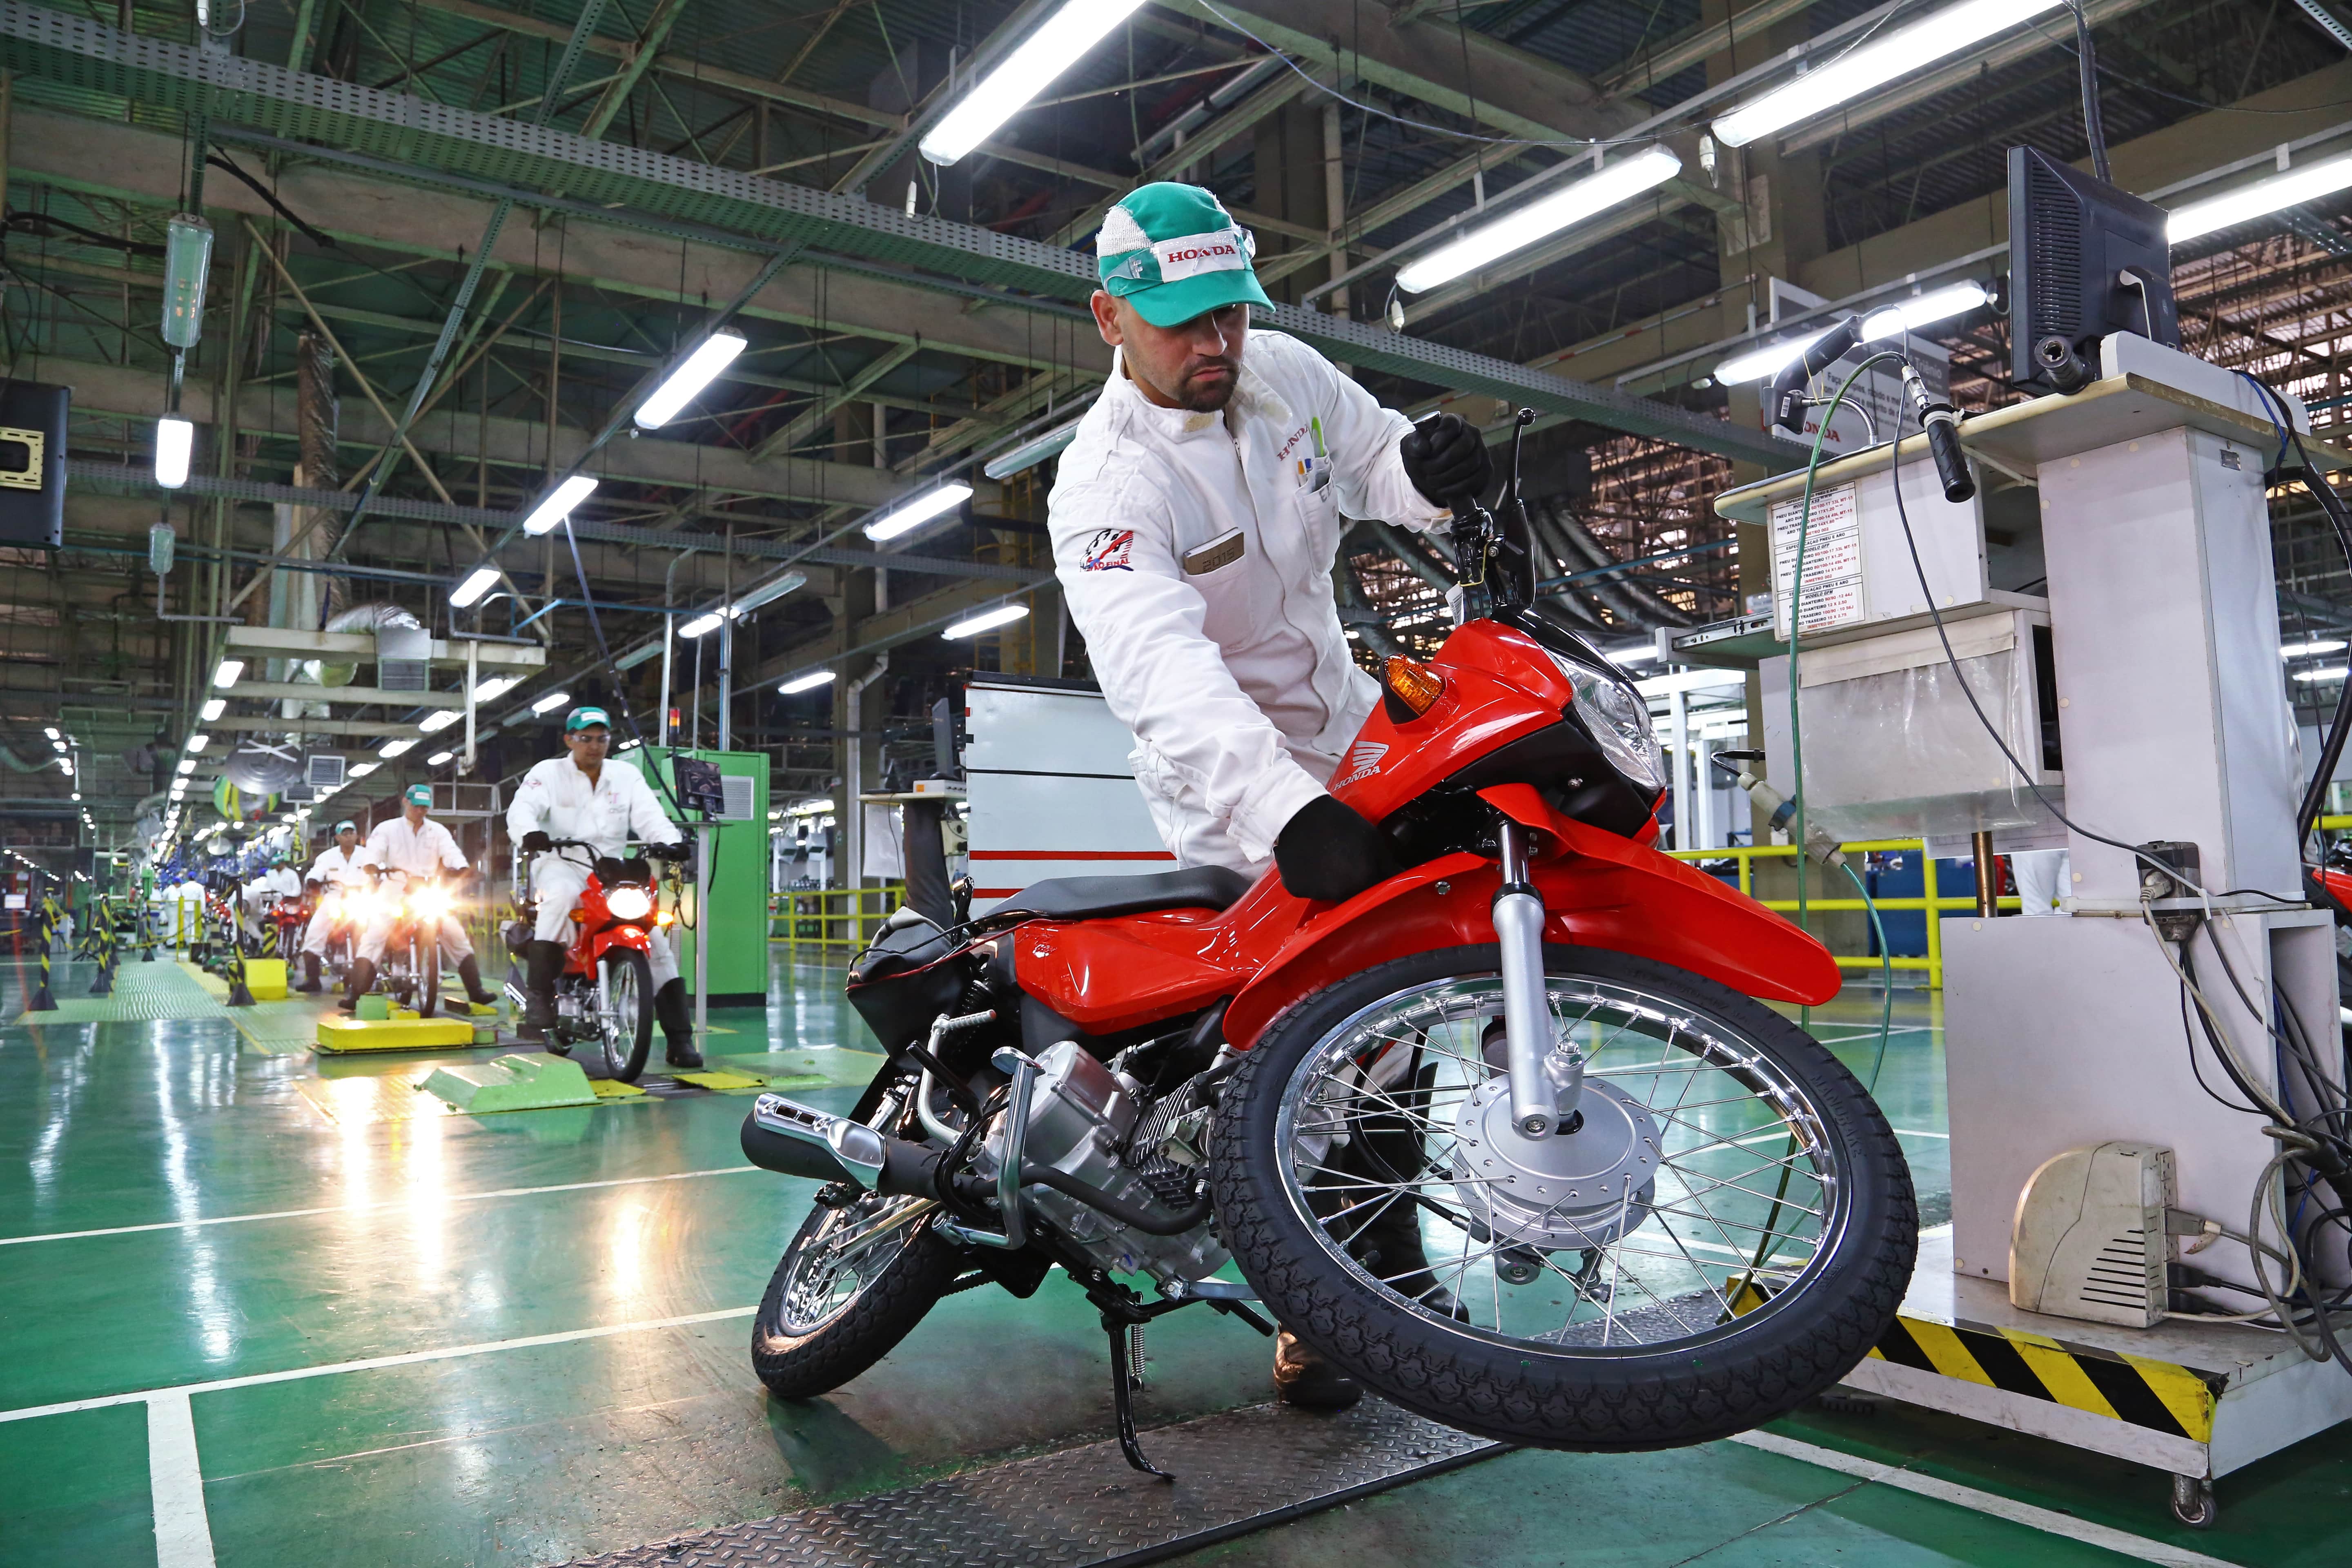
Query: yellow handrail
column 846, row 919
column 1930, row 899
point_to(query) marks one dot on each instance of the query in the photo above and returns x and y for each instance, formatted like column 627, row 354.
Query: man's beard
column 1209, row 397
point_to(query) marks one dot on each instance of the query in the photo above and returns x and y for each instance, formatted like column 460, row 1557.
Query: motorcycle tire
column 1717, row 1374
column 424, row 967
column 803, row 1360
column 629, row 980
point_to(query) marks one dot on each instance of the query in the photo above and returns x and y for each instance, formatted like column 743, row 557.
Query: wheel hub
column 1580, row 1189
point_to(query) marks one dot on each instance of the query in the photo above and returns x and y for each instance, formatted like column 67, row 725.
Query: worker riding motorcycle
column 339, row 884
column 584, row 798
column 419, row 871
column 1476, row 1091
column 605, row 996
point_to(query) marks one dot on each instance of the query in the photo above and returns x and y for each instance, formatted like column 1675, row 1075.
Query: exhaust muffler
column 795, row 1139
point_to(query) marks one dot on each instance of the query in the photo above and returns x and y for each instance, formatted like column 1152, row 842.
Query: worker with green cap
column 1196, row 524
column 581, row 796
column 337, row 870
column 413, row 848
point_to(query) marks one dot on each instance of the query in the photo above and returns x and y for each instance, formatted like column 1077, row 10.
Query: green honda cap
column 418, row 794
column 347, row 825
column 581, row 718
column 1173, row 252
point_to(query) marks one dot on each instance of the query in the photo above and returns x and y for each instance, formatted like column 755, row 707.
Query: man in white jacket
column 337, row 870
column 580, row 795
column 1196, row 523
column 410, row 850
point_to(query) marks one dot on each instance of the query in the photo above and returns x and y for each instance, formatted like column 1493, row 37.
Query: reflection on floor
column 193, row 1199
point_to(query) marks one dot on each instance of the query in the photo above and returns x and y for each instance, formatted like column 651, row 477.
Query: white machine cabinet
column 2146, row 491
column 1049, row 789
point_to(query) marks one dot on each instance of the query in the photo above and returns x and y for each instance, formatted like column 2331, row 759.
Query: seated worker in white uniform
column 579, row 795
column 408, row 849
column 336, row 871
column 280, row 879
column 1195, row 522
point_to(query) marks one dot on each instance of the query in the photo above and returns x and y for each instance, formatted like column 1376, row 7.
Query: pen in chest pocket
column 1315, row 469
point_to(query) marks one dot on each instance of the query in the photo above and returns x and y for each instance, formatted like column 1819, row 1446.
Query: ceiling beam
column 1653, row 64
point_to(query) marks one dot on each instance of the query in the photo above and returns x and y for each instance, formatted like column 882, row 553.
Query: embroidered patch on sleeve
column 1109, row 551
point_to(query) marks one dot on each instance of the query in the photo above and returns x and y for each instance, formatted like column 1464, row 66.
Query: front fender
column 1598, row 890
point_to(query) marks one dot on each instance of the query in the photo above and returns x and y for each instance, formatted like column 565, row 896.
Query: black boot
column 470, row 972
column 544, row 963
column 310, row 980
column 362, row 981
column 1302, row 1377
column 678, row 1025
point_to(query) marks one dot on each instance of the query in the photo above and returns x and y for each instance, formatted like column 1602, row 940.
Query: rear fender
column 1598, row 890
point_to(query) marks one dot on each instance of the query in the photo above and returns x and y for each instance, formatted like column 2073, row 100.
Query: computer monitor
column 2085, row 261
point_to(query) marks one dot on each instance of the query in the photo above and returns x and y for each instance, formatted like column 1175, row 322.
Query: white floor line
column 184, row 1535
column 367, row 1208
column 296, row 1375
column 2048, row 1521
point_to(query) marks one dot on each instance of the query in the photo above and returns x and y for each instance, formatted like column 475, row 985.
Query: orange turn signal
column 1415, row 685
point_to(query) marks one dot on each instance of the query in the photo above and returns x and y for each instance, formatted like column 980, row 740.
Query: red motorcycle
column 1511, row 1136
column 605, row 996
column 283, row 923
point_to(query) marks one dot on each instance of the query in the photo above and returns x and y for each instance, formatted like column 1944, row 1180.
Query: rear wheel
column 624, row 1014
column 1726, row 1231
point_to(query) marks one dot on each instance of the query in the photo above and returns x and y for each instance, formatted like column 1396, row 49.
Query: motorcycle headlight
column 1619, row 722
column 429, row 905
column 629, row 903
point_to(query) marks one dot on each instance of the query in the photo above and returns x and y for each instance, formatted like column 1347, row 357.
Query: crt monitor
column 2085, row 261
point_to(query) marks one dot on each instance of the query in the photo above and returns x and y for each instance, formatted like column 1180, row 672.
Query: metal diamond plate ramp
column 1236, row 1472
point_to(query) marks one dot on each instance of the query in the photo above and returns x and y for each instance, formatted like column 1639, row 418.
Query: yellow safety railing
column 830, row 923
column 1929, row 898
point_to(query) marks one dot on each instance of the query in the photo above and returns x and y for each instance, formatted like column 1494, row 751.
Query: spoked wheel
column 624, row 1016
column 425, row 973
column 855, row 1281
column 1726, row 1229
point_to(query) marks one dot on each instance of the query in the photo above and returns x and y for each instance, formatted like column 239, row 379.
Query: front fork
column 1547, row 1073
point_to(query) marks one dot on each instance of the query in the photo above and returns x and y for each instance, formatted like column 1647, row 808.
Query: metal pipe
column 853, row 776
column 1519, row 914
column 1024, row 1069
column 1988, row 877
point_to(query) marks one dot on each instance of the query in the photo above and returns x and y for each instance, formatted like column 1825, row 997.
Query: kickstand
column 1122, row 1396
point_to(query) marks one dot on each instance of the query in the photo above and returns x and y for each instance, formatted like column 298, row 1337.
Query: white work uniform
column 278, row 879
column 1196, row 552
column 335, row 873
column 2042, row 880
column 420, row 852
column 557, row 799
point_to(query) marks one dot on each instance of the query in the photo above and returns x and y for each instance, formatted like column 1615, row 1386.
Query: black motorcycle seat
column 1098, row 898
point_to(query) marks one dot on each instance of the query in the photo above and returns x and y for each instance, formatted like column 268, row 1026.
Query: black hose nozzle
column 1942, row 423
column 1789, row 402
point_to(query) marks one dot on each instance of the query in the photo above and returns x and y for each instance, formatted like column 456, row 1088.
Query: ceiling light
column 702, row 625
column 1021, row 75
column 496, row 686
column 198, row 742
column 550, row 702
column 809, row 808
column 1596, row 193
column 391, row 749
column 549, row 513
column 913, row 514
column 226, row 674
column 438, row 720
column 2333, row 672
column 51, row 731
column 438, row 758
column 2291, row 189
column 809, row 682
column 476, row 583
column 1633, row 653
column 176, row 439
column 1029, row 454
column 766, row 593
column 60, row 746
column 188, row 764
column 1001, row 615
column 213, row 709
column 685, row 384
column 2317, row 645
column 362, row 770
column 77, row 794
column 1884, row 322
column 1872, row 66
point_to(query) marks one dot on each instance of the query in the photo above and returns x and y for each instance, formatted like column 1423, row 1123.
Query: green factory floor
column 240, row 1271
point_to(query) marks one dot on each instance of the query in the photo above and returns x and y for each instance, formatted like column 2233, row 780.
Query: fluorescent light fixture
column 1029, row 454
column 809, row 682
column 685, row 384
column 51, row 731
column 550, row 702
column 809, row 808
column 913, row 514
column 1596, row 193
column 188, row 764
column 1631, row 653
column 766, row 593
column 1021, row 75
column 175, row 440
column 77, row 794
column 1004, row 614
column 2317, row 645
column 226, row 674
column 2291, row 189
column 61, row 745
column 362, row 770
column 702, row 625
column 198, row 742
column 478, row 582
column 495, row 687
column 1873, row 65
column 550, row 512
column 438, row 758
column 391, row 749
column 2332, row 672
column 1886, row 322
column 439, row 720
column 213, row 709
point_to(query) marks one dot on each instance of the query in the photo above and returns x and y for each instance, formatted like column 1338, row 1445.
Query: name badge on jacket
column 1222, row 551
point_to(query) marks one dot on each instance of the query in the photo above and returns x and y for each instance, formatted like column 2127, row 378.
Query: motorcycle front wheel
column 424, row 972
column 1724, row 1228
column 625, row 1019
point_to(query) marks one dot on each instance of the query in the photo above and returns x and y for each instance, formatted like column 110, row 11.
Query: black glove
column 682, row 850
column 1328, row 850
column 1446, row 460
column 537, row 843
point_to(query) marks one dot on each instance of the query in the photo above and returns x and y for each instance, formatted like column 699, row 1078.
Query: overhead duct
column 370, row 618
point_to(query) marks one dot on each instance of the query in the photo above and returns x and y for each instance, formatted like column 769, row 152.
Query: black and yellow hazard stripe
column 2176, row 1401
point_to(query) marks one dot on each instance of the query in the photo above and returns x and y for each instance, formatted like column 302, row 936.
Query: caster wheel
column 2192, row 1501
